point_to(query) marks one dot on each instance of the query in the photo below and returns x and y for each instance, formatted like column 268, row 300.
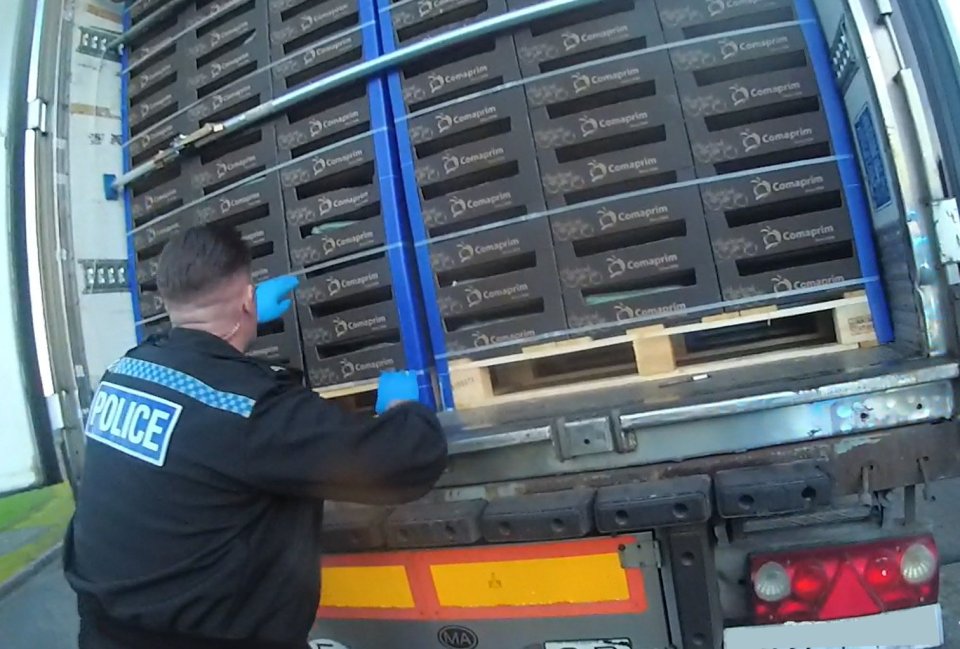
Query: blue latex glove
column 273, row 297
column 396, row 386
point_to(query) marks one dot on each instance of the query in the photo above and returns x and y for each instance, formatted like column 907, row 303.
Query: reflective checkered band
column 185, row 385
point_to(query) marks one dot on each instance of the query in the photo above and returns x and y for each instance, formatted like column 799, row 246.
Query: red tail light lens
column 831, row 583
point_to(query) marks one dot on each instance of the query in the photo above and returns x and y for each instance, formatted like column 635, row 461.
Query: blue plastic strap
column 185, row 384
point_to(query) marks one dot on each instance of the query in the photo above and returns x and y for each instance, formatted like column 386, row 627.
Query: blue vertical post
column 128, row 212
column 843, row 144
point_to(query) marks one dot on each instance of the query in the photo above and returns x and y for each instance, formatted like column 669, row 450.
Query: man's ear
column 250, row 300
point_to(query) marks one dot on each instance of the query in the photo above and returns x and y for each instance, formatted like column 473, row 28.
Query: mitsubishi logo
column 457, row 206
column 739, row 95
column 444, row 122
column 581, row 83
column 729, row 49
column 465, row 252
column 761, row 188
column 588, row 126
column 608, row 218
column 571, row 41
column 615, row 266
column 751, row 141
column 771, row 238
column 597, row 170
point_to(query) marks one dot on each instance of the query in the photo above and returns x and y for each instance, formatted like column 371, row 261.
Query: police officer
column 198, row 518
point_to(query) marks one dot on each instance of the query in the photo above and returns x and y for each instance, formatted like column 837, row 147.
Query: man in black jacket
column 198, row 519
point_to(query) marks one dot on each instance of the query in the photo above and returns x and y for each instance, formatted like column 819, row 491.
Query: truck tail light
column 832, row 583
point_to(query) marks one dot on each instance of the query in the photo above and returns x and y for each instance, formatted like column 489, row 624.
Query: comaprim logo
column 624, row 312
column 616, row 266
column 590, row 125
column 228, row 205
column 321, row 164
column 717, row 7
column 763, row 189
column 783, row 284
column 335, row 285
column 475, row 296
column 600, row 170
column 342, row 327
column 773, row 237
column 308, row 20
column 573, row 40
column 331, row 244
column 583, row 82
column 752, row 140
column 226, row 168
column 445, row 121
column 348, row 368
column 318, row 126
column 452, row 163
column 730, row 48
column 438, row 81
column 325, row 205
column 608, row 218
column 427, row 7
column 481, row 339
column 239, row 94
column 460, row 205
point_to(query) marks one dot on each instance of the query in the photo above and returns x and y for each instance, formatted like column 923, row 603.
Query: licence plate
column 589, row 644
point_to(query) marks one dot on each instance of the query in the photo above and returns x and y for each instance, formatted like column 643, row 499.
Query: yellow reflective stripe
column 365, row 587
column 532, row 582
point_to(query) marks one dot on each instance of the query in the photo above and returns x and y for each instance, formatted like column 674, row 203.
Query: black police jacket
column 200, row 507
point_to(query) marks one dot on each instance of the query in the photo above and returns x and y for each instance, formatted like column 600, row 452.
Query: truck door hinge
column 37, row 116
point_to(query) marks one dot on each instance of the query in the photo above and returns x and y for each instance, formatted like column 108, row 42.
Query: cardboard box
column 147, row 271
column 151, row 109
column 481, row 111
column 323, row 126
column 153, row 76
column 257, row 199
column 245, row 58
column 460, row 161
column 332, row 205
column 720, row 151
column 594, row 38
column 602, row 77
column 565, row 182
column 235, row 164
column 327, row 163
column 146, row 144
column 506, row 198
column 824, row 276
column 318, row 60
column 769, row 187
column 278, row 343
column 783, row 235
column 269, row 266
column 220, row 33
column 289, row 32
column 310, row 245
column 621, row 215
column 495, row 65
column 502, row 337
column 173, row 190
column 734, row 52
column 345, row 280
column 604, row 122
column 365, row 365
column 162, row 41
column 408, row 18
column 369, row 321
column 150, row 239
column 748, row 93
column 686, row 19
column 151, row 304
column 231, row 100
column 494, row 288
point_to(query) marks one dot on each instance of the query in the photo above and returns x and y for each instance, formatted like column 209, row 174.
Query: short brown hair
column 198, row 260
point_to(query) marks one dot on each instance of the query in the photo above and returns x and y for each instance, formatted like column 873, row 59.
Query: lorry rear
column 748, row 479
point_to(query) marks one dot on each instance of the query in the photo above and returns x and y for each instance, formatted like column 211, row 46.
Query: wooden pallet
column 355, row 397
column 657, row 353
